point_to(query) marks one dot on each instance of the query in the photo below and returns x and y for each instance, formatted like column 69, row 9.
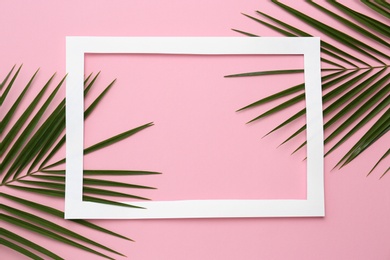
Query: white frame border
column 76, row 47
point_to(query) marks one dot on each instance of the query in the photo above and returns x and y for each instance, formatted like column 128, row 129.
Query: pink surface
column 357, row 222
column 201, row 145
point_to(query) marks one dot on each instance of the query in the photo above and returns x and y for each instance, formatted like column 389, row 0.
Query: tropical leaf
column 360, row 89
column 27, row 151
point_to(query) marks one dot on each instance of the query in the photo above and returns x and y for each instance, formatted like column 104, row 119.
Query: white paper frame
column 76, row 47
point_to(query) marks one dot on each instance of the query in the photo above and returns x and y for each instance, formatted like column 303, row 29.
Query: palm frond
column 105, row 143
column 22, row 250
column 377, row 8
column 387, row 153
column 12, row 236
column 263, row 73
column 7, row 90
column 10, row 113
column 58, row 214
column 48, row 233
column 12, row 133
column 358, row 96
column 27, row 151
column 5, row 80
column 364, row 19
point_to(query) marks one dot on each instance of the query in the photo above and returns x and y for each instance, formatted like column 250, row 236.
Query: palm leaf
column 52, row 226
column 105, row 172
column 263, row 73
column 20, row 249
column 19, row 144
column 36, row 138
column 377, row 8
column 89, row 181
column 353, row 94
column 7, row 118
column 105, row 143
column 6, row 78
column 338, row 35
column 46, row 232
column 379, row 161
column 61, row 142
column 364, row 19
column 7, row 90
column 326, row 47
column 374, row 112
column 28, row 243
column 10, row 136
column 352, row 25
column 57, row 213
column 355, row 101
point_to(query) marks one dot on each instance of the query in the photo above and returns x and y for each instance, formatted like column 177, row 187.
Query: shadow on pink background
column 357, row 222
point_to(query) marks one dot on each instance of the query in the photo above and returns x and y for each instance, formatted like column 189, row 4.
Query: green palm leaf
column 105, row 143
column 52, row 226
column 7, row 90
column 6, row 79
column 263, row 73
column 20, row 249
column 57, row 213
column 352, row 104
column 26, row 166
column 105, row 172
column 10, row 136
column 354, row 93
column 28, row 243
column 377, row 8
column 4, row 122
column 61, row 142
column 338, row 35
column 364, row 19
column 19, row 144
column 89, row 181
column 379, row 161
column 352, row 25
column 46, row 232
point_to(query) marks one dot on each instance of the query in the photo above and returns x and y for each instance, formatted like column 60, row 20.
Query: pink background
column 201, row 145
column 357, row 222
